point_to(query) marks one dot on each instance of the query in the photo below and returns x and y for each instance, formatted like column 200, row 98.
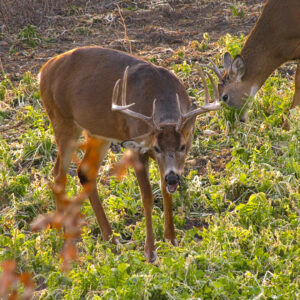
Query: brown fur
column 274, row 40
column 76, row 90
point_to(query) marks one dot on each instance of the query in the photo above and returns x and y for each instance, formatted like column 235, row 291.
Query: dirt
column 147, row 27
column 198, row 223
column 215, row 161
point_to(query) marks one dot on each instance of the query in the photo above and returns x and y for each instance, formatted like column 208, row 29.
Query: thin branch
column 126, row 38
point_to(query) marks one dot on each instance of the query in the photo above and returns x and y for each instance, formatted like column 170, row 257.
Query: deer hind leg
column 142, row 175
column 95, row 201
column 169, row 229
column 296, row 99
column 66, row 135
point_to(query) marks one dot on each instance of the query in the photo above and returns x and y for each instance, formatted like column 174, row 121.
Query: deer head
column 233, row 89
column 167, row 142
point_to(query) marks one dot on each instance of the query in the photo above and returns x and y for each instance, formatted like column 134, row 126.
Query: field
column 237, row 209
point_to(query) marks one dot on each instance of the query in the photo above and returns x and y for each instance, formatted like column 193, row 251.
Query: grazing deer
column 80, row 91
column 274, row 40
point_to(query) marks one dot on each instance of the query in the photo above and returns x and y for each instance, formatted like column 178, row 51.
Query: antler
column 124, row 108
column 213, row 68
column 183, row 117
column 208, row 106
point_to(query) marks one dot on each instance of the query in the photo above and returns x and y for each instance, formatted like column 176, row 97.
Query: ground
column 237, row 209
column 153, row 30
column 153, row 27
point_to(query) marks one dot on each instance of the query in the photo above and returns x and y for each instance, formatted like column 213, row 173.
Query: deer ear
column 134, row 146
column 227, row 61
column 187, row 128
column 238, row 68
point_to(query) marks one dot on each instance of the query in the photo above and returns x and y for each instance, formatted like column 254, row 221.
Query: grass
column 243, row 199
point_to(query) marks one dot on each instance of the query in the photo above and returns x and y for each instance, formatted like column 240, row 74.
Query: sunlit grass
column 245, row 245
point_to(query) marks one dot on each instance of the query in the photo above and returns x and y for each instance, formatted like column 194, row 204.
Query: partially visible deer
column 80, row 91
column 274, row 40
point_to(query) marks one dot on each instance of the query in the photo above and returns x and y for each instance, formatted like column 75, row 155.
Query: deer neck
column 259, row 66
column 261, row 59
column 266, row 47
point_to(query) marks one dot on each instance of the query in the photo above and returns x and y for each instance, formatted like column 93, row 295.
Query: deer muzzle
column 172, row 181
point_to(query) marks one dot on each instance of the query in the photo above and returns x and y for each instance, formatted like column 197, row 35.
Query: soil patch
column 149, row 25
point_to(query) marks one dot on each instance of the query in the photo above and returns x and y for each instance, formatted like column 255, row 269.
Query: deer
column 274, row 40
column 80, row 90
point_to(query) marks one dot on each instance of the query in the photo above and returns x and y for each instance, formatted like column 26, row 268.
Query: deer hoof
column 116, row 241
column 117, row 245
column 285, row 125
column 152, row 257
column 175, row 242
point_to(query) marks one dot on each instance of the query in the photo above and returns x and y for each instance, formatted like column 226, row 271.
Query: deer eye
column 225, row 97
column 182, row 148
column 156, row 149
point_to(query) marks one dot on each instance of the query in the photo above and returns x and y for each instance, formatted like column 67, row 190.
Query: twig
column 1, row 67
column 125, row 29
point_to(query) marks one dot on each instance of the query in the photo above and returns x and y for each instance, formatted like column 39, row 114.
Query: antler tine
column 216, row 69
column 124, row 108
column 124, row 86
column 207, row 105
column 115, row 106
column 153, row 115
column 115, row 93
column 213, row 84
column 213, row 68
column 206, row 100
column 201, row 110
column 180, row 113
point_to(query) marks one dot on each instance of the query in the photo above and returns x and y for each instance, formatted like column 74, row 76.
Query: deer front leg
column 142, row 175
column 169, row 230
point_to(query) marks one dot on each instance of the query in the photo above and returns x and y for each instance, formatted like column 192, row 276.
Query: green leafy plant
column 30, row 36
column 236, row 212
column 237, row 11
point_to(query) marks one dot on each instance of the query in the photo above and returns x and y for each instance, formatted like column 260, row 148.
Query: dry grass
column 19, row 13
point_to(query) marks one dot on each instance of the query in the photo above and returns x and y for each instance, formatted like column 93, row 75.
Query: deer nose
column 172, row 178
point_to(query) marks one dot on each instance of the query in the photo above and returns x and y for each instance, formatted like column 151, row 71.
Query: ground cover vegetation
column 237, row 209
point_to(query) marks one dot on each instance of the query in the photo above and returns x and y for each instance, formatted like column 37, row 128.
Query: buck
column 80, row 91
column 274, row 39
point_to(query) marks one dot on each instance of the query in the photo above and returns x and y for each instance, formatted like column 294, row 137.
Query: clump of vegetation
column 238, row 10
column 29, row 36
column 233, row 44
column 236, row 213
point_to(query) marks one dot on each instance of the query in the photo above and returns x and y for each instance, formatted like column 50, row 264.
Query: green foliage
column 30, row 36
column 256, row 212
column 2, row 90
column 232, row 44
column 236, row 212
column 237, row 11
column 184, row 68
column 205, row 42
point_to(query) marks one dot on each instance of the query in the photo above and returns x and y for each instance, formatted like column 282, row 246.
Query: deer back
column 79, row 85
